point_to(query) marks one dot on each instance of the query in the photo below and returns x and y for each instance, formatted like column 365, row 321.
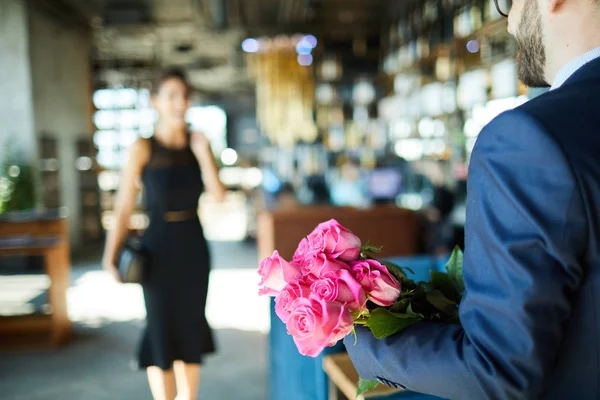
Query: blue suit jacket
column 531, row 313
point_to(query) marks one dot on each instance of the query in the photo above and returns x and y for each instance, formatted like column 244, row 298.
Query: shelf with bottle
column 418, row 55
column 441, row 72
column 417, row 40
column 438, row 89
column 346, row 114
column 460, row 109
column 422, row 26
column 441, row 120
column 475, row 15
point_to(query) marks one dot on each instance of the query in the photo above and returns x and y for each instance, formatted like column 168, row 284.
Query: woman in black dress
column 175, row 167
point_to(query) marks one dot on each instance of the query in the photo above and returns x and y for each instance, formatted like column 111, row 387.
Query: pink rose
column 292, row 291
column 310, row 278
column 340, row 286
column 303, row 255
column 276, row 273
column 316, row 323
column 336, row 240
column 381, row 287
column 323, row 264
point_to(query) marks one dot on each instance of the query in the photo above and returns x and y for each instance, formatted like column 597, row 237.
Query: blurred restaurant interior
column 361, row 110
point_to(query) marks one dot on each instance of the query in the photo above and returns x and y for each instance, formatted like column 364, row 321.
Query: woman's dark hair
column 170, row 73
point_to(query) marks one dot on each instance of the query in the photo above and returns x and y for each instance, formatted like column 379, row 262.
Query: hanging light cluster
column 285, row 87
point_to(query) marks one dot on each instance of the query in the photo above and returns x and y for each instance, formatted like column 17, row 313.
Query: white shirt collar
column 568, row 70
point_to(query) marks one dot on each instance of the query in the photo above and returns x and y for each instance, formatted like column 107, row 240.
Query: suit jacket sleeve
column 526, row 233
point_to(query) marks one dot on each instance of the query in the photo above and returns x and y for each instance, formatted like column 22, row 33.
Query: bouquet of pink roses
column 333, row 282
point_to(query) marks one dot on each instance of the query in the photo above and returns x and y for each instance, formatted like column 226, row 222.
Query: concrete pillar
column 16, row 103
column 62, row 92
column 46, row 88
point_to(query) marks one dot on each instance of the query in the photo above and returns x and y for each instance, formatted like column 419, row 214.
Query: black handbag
column 133, row 261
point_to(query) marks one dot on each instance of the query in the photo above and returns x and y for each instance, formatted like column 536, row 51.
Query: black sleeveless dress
column 176, row 281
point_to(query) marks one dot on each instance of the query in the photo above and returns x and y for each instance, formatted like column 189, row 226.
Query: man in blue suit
column 531, row 312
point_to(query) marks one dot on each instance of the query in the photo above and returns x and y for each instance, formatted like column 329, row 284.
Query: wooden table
column 46, row 237
column 344, row 378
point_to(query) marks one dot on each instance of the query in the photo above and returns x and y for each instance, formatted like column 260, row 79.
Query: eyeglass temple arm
column 500, row 10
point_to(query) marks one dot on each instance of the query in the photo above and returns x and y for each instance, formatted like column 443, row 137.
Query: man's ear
column 554, row 5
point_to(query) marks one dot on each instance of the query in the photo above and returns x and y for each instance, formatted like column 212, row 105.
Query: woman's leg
column 162, row 383
column 187, row 377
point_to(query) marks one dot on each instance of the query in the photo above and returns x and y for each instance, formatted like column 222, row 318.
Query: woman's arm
column 210, row 172
column 125, row 203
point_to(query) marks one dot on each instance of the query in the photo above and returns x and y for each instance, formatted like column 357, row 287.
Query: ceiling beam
column 64, row 12
column 347, row 3
column 331, row 30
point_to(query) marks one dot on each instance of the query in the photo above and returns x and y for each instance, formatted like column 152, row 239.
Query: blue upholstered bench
column 296, row 377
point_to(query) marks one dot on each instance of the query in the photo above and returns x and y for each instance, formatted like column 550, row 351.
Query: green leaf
column 359, row 314
column 367, row 248
column 364, row 385
column 399, row 273
column 405, row 315
column 441, row 302
column 410, row 312
column 444, row 283
column 384, row 323
column 455, row 269
column 455, row 319
column 400, row 306
column 395, row 270
column 426, row 287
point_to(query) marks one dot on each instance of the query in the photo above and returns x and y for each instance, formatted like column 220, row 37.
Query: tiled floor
column 96, row 364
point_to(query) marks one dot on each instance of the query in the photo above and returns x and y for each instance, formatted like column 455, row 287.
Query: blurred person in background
column 286, row 197
column 440, row 232
column 175, row 167
column 348, row 186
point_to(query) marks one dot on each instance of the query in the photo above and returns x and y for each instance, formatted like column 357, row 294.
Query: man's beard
column 531, row 54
